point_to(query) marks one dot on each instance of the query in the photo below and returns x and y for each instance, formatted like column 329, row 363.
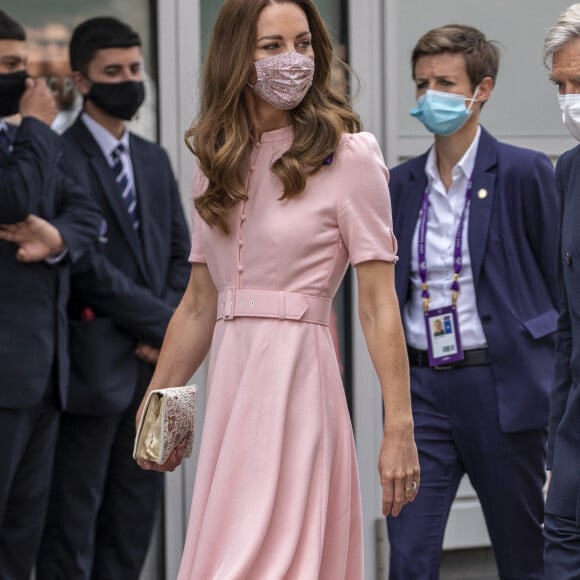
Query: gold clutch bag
column 167, row 420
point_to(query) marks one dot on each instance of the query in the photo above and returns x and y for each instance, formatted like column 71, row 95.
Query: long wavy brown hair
column 221, row 136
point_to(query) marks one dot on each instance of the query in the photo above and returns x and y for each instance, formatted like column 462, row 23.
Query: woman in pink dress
column 287, row 192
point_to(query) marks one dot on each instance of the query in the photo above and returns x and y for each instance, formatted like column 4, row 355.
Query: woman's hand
column 173, row 461
column 381, row 324
column 398, row 470
column 185, row 345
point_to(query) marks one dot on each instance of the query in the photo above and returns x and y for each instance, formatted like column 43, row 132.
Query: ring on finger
column 413, row 487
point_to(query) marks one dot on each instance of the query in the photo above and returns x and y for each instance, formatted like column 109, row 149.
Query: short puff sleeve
column 364, row 204
column 199, row 186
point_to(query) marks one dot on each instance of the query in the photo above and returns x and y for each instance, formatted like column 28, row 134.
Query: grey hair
column 566, row 29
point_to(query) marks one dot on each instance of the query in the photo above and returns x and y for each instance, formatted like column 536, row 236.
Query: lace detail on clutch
column 167, row 420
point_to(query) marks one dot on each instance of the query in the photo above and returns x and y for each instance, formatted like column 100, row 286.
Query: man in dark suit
column 477, row 226
column 103, row 506
column 562, row 520
column 47, row 223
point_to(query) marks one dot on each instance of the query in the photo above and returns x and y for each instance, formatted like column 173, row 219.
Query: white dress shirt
column 445, row 208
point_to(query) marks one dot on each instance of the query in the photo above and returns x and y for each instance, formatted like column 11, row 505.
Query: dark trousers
column 27, row 439
column 457, row 431
column 102, row 506
column 562, row 553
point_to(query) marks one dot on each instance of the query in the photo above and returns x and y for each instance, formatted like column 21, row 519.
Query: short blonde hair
column 481, row 55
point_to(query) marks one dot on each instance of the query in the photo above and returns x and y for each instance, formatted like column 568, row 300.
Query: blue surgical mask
column 443, row 113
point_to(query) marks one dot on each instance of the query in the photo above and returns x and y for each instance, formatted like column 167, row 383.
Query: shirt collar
column 464, row 166
column 106, row 140
column 3, row 126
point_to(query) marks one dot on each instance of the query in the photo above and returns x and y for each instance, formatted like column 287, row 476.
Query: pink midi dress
column 277, row 492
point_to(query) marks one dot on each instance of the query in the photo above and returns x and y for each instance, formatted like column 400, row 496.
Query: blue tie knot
column 5, row 141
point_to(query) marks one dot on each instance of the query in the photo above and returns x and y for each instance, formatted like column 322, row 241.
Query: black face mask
column 121, row 100
column 12, row 87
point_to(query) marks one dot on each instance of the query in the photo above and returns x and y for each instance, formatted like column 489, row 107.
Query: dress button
column 240, row 268
column 568, row 258
column 240, row 242
column 243, row 217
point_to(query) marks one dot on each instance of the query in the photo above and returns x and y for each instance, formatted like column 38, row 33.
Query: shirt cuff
column 56, row 258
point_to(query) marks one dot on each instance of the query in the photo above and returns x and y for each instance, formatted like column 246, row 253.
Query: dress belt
column 233, row 302
column 472, row 357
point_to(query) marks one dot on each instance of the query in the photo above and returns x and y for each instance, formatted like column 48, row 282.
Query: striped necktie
column 5, row 141
column 125, row 187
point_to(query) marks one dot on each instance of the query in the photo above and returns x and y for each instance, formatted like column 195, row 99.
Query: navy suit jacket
column 132, row 284
column 564, row 431
column 33, row 296
column 513, row 233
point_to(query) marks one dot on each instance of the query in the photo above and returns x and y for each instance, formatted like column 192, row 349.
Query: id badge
column 444, row 342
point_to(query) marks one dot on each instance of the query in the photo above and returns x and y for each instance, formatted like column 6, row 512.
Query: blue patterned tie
column 127, row 191
column 5, row 141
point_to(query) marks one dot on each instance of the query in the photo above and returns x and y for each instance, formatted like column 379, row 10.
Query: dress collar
column 277, row 135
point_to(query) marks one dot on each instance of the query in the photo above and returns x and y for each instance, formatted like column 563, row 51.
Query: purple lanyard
column 457, row 254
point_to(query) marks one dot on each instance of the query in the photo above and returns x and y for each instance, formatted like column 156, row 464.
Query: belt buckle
column 228, row 303
column 442, row 367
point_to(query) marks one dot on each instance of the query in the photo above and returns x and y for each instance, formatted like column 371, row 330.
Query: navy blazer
column 564, row 432
column 33, row 296
column 131, row 283
column 513, row 233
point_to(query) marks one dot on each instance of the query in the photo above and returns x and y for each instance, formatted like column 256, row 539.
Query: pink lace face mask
column 284, row 79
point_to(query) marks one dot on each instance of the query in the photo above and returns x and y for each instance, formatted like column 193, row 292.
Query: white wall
column 179, row 68
column 523, row 109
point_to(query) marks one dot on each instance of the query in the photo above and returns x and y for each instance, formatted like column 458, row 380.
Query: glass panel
column 333, row 12
column 48, row 27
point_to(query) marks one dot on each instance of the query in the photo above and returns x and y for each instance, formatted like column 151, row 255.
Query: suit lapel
column 110, row 190
column 11, row 134
column 406, row 214
column 482, row 196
